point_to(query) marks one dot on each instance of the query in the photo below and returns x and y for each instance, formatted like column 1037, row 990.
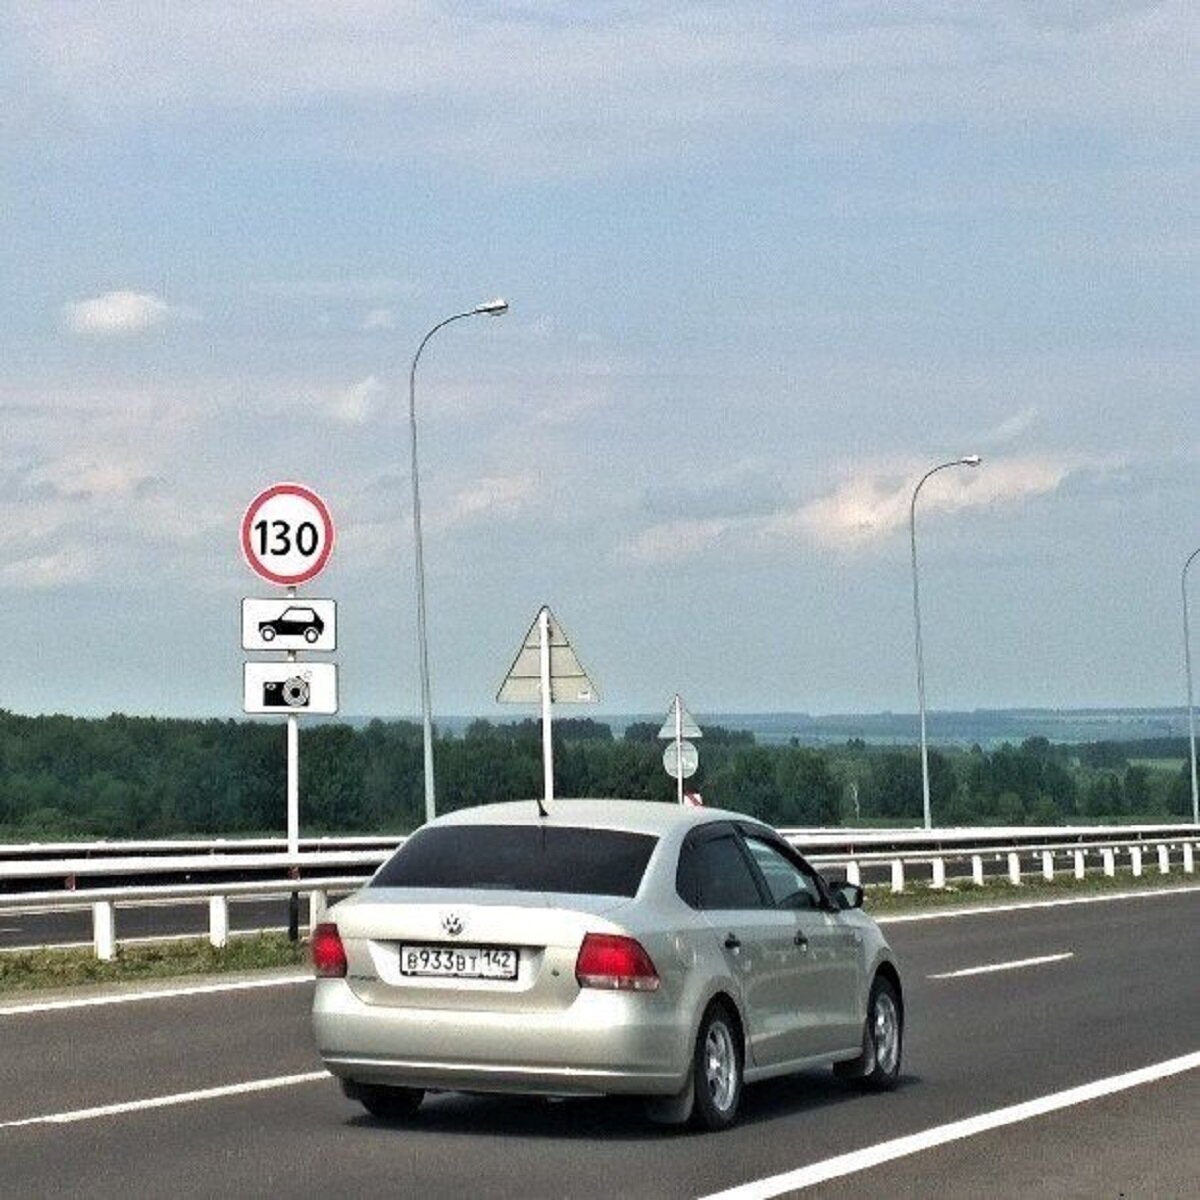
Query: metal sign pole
column 293, row 803
column 547, row 740
column 679, row 747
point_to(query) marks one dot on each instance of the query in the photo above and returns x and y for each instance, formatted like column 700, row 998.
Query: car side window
column 713, row 874
column 790, row 887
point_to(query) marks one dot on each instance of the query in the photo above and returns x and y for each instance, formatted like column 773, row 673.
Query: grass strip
column 880, row 900
column 30, row 970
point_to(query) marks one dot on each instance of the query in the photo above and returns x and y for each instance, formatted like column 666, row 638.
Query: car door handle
column 732, row 942
column 800, row 939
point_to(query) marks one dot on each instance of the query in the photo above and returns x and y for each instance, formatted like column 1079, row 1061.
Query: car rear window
column 523, row 858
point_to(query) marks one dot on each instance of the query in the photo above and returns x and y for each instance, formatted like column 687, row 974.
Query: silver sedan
column 610, row 947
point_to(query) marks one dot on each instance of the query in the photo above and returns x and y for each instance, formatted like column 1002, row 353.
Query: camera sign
column 287, row 534
column 289, row 688
column 292, row 624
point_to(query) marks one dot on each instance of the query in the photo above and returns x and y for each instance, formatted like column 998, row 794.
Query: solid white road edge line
column 214, row 1093
column 1015, row 965
column 874, row 1156
column 984, row 910
column 200, row 989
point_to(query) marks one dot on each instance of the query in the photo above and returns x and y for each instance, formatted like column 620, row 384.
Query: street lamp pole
column 1187, row 662
column 969, row 460
column 492, row 308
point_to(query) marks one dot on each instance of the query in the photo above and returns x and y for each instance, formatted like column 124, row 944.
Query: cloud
column 570, row 87
column 380, row 318
column 120, row 314
column 47, row 572
column 868, row 508
column 498, row 496
column 865, row 509
column 357, row 404
column 1011, row 427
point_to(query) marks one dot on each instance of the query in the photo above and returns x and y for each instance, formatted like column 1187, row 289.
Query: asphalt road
column 1124, row 999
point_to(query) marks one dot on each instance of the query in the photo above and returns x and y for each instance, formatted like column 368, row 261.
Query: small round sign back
column 287, row 534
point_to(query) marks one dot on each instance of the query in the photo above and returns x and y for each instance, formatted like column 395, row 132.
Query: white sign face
column 283, row 689
column 681, row 759
column 296, row 624
column 287, row 534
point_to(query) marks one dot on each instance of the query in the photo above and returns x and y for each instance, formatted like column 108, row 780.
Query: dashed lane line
column 132, row 1106
column 941, row 1135
column 1015, row 965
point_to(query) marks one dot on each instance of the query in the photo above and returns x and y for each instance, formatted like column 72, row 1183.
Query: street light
column 969, row 460
column 1187, row 662
column 490, row 308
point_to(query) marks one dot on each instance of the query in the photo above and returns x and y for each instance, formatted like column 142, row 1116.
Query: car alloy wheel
column 717, row 1071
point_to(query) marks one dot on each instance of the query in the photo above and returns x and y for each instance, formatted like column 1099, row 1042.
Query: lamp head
column 970, row 460
column 493, row 308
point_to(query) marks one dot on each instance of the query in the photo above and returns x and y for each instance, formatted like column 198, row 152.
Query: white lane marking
column 213, row 1093
column 984, row 910
column 1015, row 965
column 200, row 989
column 10, row 929
column 874, row 1156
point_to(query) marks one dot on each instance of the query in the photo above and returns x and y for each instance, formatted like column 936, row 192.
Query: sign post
column 287, row 537
column 545, row 670
column 680, row 759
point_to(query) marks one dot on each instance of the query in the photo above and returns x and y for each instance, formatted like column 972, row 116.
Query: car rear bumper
column 603, row 1043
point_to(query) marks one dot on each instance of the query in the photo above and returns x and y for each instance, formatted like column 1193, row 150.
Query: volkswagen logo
column 452, row 923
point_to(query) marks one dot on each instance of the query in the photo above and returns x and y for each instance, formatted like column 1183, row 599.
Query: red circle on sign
column 254, row 561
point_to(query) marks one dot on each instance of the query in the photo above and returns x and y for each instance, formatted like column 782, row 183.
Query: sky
column 767, row 264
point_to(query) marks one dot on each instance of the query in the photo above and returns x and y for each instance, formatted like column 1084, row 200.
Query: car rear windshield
column 523, row 858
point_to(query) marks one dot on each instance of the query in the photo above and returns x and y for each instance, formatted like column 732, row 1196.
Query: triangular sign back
column 569, row 682
column 690, row 728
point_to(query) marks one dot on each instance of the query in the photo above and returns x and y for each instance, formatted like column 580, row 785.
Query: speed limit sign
column 287, row 534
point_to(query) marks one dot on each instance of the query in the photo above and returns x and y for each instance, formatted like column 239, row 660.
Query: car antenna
column 541, row 807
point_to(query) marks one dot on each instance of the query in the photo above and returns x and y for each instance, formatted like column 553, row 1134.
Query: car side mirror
column 846, row 894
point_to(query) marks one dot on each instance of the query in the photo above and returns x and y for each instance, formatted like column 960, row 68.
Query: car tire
column 311, row 635
column 878, row 1066
column 717, row 1065
column 387, row 1103
column 267, row 634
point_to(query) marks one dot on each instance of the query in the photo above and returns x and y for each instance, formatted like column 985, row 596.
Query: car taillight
column 608, row 960
column 328, row 953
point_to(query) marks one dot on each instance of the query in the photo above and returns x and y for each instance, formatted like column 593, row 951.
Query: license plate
column 459, row 962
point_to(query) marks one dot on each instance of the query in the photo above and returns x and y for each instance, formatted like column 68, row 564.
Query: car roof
column 633, row 816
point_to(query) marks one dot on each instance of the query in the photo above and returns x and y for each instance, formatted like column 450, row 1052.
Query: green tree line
column 123, row 777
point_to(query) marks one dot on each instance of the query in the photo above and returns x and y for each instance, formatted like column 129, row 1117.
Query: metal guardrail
column 314, row 872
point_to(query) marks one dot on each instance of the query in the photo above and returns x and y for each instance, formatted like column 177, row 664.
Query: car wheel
column 267, row 633
column 878, row 1067
column 311, row 635
column 717, row 1070
column 387, row 1103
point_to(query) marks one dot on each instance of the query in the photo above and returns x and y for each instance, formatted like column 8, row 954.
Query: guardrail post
column 977, row 869
column 1164, row 860
column 318, row 902
column 1135, row 858
column 939, row 873
column 1110, row 861
column 104, row 930
column 218, row 920
column 1048, row 865
column 897, row 875
column 1079, row 864
column 1189, row 858
column 1014, row 868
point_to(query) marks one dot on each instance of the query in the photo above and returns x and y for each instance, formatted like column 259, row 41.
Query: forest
column 124, row 777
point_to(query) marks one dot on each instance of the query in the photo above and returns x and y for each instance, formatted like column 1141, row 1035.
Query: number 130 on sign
column 287, row 534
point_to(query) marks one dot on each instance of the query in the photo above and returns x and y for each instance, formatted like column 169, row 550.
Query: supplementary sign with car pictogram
column 287, row 534
column 289, row 624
